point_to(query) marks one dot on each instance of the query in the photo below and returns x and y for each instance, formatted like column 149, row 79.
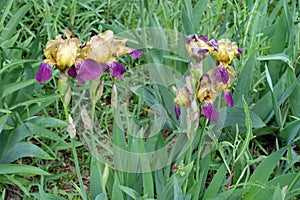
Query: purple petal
column 88, row 70
column 207, row 78
column 177, row 111
column 210, row 111
column 105, row 67
column 240, row 50
column 83, row 45
column 214, row 44
column 44, row 72
column 134, row 54
column 228, row 98
column 189, row 38
column 201, row 53
column 72, row 72
column 221, row 75
column 117, row 69
column 203, row 38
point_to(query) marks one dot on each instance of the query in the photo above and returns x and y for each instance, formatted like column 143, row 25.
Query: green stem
column 83, row 192
column 66, row 110
column 199, row 150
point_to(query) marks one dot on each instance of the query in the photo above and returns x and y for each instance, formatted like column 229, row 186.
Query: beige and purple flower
column 106, row 50
column 88, row 62
column 200, row 47
column 209, row 85
column 59, row 52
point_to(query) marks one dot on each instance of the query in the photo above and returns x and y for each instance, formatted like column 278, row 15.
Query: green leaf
column 21, row 169
column 280, row 33
column 10, row 88
column 263, row 172
column 167, row 192
column 116, row 190
column 216, row 183
column 236, row 115
column 132, row 193
column 49, row 122
column 12, row 24
column 244, row 84
column 21, row 150
column 281, row 180
column 276, row 108
column 278, row 56
column 177, row 191
column 3, row 120
column 15, row 64
column 249, row 133
column 148, row 185
column 263, row 107
column 101, row 196
column 30, row 129
column 96, row 184
column 187, row 23
column 36, row 105
column 277, row 194
column 294, row 99
column 7, row 5
column 290, row 131
column 198, row 12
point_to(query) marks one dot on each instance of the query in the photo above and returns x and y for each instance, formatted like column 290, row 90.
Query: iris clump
column 201, row 89
column 85, row 61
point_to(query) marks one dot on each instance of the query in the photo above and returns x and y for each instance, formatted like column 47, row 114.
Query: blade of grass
column 263, row 172
column 12, row 24
column 21, row 169
column 276, row 108
column 216, row 183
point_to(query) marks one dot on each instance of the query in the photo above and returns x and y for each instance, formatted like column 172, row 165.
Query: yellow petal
column 103, row 47
column 182, row 98
column 66, row 54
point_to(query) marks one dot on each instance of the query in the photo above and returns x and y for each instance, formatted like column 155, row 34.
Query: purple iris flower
column 228, row 98
column 85, row 70
column 134, row 54
column 177, row 111
column 189, row 38
column 221, row 75
column 210, row 111
column 214, row 44
column 117, row 69
column 201, row 53
column 44, row 72
column 203, row 38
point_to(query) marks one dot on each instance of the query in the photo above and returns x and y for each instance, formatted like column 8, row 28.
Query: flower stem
column 199, row 149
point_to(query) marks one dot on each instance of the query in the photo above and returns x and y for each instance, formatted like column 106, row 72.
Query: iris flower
column 200, row 47
column 227, row 51
column 105, row 49
column 64, row 54
column 59, row 52
column 228, row 97
column 87, row 62
column 210, row 111
column 216, row 80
